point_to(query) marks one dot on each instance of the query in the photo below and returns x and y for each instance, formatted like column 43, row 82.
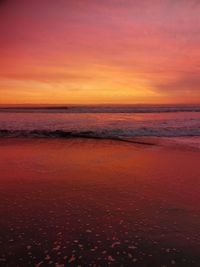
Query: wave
column 64, row 134
column 103, row 109
column 103, row 134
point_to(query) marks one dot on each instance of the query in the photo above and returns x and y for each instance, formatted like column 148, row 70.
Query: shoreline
column 183, row 142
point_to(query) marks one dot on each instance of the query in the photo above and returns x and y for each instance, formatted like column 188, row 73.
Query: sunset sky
column 92, row 51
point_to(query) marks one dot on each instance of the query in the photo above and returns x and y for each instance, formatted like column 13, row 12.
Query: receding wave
column 66, row 134
column 103, row 134
column 45, row 133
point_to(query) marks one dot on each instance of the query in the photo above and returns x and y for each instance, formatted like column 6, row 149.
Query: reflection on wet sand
column 98, row 203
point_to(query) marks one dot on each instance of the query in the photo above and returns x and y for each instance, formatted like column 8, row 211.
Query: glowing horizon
column 91, row 52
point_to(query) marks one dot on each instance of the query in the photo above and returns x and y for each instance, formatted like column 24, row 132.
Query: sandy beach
column 100, row 133
column 82, row 202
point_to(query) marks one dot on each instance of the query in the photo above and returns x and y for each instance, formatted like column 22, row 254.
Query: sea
column 178, row 122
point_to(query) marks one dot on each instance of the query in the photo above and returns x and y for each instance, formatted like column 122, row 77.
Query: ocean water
column 102, row 121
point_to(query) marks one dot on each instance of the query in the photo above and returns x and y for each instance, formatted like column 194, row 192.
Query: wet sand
column 98, row 203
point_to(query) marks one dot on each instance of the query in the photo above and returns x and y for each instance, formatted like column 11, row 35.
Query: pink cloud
column 157, row 40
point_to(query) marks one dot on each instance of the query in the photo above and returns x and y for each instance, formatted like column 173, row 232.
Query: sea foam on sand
column 84, row 202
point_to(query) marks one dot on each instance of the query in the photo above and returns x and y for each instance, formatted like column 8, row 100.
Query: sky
column 99, row 52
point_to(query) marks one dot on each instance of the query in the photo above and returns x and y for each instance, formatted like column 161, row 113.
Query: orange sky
column 91, row 51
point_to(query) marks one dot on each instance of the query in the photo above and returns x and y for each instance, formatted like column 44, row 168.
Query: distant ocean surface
column 101, row 121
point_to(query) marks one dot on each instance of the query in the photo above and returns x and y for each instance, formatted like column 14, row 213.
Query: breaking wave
column 103, row 134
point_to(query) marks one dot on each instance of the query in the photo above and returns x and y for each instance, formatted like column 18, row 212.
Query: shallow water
column 98, row 203
column 110, row 121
